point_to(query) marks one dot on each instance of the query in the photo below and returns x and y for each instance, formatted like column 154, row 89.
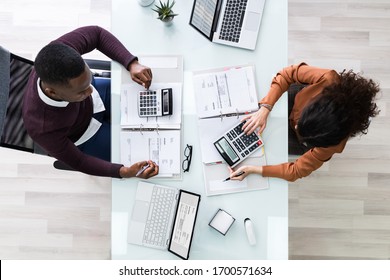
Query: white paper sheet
column 215, row 174
column 162, row 147
column 228, row 91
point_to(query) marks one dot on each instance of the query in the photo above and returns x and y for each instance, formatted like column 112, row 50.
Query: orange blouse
column 317, row 79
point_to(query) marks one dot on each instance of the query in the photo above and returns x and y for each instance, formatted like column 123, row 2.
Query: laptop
column 231, row 22
column 235, row 146
column 163, row 218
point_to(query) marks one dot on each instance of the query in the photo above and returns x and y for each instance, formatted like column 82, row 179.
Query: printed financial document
column 160, row 147
column 230, row 91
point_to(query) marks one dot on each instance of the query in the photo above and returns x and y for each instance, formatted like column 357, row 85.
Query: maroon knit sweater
column 56, row 129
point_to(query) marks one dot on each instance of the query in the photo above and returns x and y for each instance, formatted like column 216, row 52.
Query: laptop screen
column 202, row 17
column 184, row 224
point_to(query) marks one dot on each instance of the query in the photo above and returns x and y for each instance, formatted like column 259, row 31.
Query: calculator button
column 253, row 147
column 237, row 146
column 241, row 144
column 238, row 129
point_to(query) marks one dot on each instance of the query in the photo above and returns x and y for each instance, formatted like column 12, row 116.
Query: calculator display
column 165, row 101
column 225, row 149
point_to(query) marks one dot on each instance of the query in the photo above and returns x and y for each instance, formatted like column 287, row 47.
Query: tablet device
column 184, row 224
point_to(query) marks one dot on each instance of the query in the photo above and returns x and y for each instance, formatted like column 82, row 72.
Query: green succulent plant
column 165, row 10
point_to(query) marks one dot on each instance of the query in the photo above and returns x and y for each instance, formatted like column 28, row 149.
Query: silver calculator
column 235, row 146
column 155, row 103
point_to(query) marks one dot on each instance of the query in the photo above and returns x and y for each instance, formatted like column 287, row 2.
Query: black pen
column 238, row 174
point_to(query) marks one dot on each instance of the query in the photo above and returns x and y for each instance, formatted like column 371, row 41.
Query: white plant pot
column 168, row 21
column 145, row 3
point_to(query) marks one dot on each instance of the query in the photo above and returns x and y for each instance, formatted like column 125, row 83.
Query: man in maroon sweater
column 61, row 102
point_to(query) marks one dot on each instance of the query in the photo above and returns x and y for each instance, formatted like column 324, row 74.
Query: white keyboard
column 159, row 216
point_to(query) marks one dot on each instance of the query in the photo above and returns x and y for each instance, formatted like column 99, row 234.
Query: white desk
column 140, row 31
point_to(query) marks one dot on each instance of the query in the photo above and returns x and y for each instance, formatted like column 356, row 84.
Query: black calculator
column 235, row 146
column 155, row 103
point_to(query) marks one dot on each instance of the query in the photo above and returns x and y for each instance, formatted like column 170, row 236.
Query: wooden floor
column 341, row 211
column 46, row 213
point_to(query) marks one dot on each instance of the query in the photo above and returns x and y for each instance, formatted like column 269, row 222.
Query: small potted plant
column 165, row 13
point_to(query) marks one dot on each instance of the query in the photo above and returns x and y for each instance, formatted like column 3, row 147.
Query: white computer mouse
column 250, row 231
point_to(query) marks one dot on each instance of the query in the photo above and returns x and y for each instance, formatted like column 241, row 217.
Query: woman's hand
column 244, row 171
column 256, row 120
column 140, row 74
column 128, row 172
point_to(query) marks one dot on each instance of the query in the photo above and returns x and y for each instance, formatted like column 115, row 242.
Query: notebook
column 156, row 138
column 223, row 96
column 163, row 218
column 230, row 22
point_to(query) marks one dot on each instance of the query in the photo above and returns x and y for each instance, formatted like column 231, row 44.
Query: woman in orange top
column 327, row 112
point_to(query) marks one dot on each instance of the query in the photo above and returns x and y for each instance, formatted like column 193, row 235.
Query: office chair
column 295, row 148
column 14, row 74
column 99, row 68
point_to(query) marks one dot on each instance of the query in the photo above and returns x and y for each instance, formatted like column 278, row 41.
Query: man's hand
column 140, row 74
column 128, row 172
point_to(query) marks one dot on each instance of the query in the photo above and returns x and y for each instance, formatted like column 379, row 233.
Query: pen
column 142, row 170
column 238, row 174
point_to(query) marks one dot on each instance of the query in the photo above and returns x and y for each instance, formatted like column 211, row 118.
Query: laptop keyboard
column 232, row 20
column 158, row 217
column 245, row 144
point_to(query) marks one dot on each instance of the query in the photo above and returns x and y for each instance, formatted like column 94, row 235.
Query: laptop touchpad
column 140, row 211
column 252, row 21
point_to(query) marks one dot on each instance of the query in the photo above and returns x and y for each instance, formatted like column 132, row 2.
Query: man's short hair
column 58, row 63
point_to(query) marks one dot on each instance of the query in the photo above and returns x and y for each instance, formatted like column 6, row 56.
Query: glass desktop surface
column 139, row 30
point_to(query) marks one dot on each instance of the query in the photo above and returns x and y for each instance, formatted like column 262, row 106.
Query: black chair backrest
column 14, row 134
column 99, row 68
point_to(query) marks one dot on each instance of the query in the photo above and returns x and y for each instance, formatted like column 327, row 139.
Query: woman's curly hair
column 343, row 109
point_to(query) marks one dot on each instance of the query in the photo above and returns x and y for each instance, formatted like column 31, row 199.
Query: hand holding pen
column 142, row 169
column 237, row 175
